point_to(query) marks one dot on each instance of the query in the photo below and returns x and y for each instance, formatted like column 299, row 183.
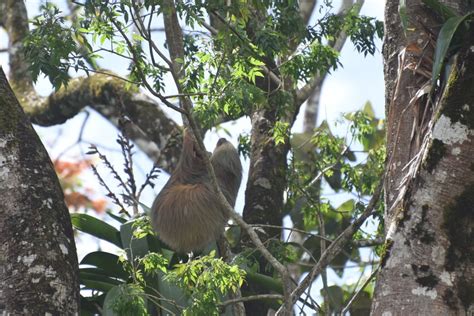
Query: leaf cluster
column 206, row 280
column 324, row 160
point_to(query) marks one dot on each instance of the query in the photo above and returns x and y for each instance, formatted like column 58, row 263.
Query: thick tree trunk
column 38, row 261
column 428, row 267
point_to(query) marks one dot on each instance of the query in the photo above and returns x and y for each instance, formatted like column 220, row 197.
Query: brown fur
column 226, row 162
column 187, row 214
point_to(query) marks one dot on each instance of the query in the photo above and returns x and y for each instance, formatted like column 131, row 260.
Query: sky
column 347, row 89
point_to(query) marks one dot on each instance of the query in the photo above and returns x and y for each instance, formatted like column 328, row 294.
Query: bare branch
column 140, row 71
column 306, row 9
column 336, row 247
column 253, row 298
column 303, row 93
column 16, row 25
column 349, row 303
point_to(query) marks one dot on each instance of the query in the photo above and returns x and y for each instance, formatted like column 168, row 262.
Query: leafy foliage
column 143, row 278
column 239, row 57
column 206, row 280
column 334, row 162
column 50, row 48
column 222, row 72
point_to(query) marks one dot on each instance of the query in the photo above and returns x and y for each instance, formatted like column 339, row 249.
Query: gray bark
column 38, row 262
column 428, row 266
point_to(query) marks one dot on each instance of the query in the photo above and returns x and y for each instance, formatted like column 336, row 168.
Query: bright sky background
column 345, row 90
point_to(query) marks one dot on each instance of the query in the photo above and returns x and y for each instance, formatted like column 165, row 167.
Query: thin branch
column 265, row 69
column 181, row 95
column 292, row 229
column 322, row 244
column 303, row 93
column 253, row 298
column 372, row 275
column 337, row 246
column 142, row 75
column 147, row 36
column 107, row 73
column 357, row 243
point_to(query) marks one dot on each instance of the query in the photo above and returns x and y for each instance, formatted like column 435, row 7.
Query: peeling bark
column 428, row 267
column 38, row 262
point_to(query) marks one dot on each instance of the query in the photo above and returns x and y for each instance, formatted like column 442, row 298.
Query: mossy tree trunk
column 428, row 266
column 38, row 261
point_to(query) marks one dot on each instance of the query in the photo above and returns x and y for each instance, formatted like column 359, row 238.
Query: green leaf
column 369, row 110
column 119, row 219
column 402, row 11
column 106, row 261
column 440, row 8
column 95, row 280
column 97, row 228
column 347, row 206
column 335, row 296
column 125, row 299
column 443, row 43
column 280, row 132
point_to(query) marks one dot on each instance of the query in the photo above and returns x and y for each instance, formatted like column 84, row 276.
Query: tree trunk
column 428, row 265
column 38, row 261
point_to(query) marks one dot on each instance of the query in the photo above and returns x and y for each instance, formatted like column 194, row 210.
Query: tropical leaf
column 108, row 262
column 97, row 228
column 444, row 43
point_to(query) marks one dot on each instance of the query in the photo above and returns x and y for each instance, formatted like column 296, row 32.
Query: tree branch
column 174, row 38
column 303, row 93
column 306, row 9
column 16, row 25
column 153, row 132
column 253, row 298
column 336, row 247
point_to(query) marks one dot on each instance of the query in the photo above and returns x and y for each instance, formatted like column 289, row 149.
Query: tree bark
column 38, row 261
column 428, row 265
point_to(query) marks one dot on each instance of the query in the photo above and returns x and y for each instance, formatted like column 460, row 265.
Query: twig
column 253, row 298
column 142, row 28
column 267, row 71
column 143, row 78
column 303, row 93
column 180, row 95
column 336, row 247
column 372, row 275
